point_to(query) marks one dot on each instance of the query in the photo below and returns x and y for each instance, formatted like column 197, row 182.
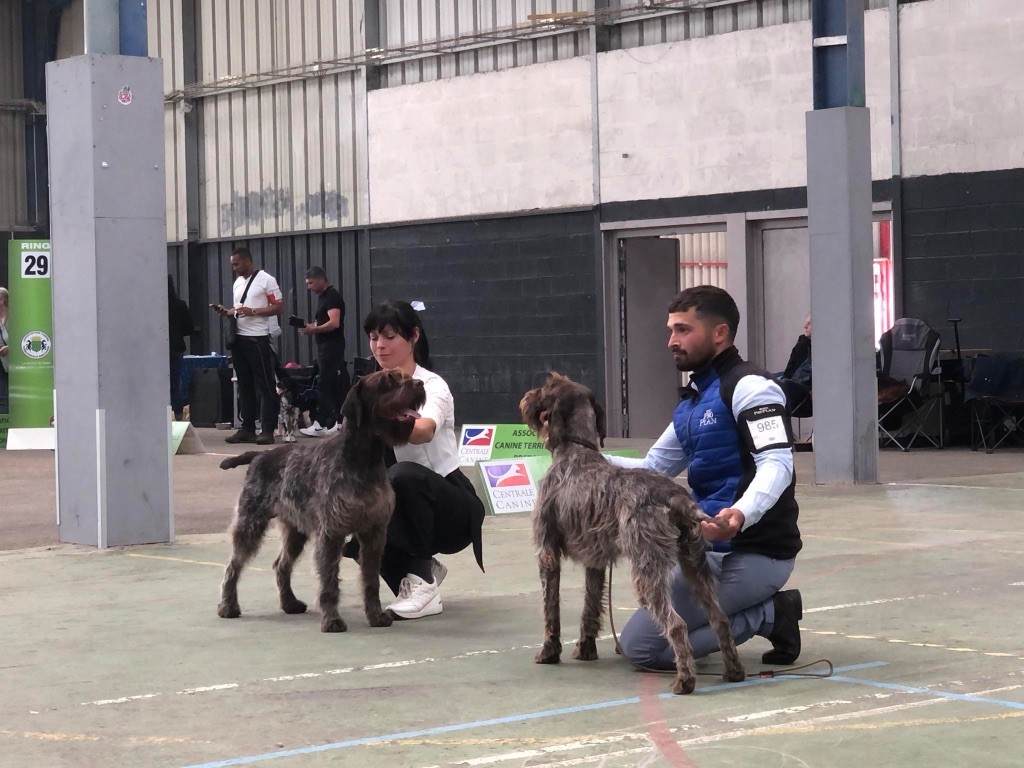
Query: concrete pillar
column 106, row 150
column 839, row 226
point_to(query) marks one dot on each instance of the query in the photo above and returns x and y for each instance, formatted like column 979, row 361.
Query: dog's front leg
column 590, row 624
column 550, row 578
column 328, row 555
column 371, row 552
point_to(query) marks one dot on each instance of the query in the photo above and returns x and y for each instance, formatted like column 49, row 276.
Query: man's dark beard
column 694, row 364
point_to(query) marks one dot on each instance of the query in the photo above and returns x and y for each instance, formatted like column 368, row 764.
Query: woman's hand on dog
column 727, row 524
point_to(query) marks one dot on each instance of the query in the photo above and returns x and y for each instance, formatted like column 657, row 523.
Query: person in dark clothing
column 179, row 328
column 798, row 368
column 330, row 351
column 731, row 434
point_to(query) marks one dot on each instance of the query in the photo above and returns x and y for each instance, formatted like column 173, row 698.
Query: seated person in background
column 798, row 368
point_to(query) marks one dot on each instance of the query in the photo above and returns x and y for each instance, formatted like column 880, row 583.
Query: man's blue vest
column 720, row 467
column 706, row 429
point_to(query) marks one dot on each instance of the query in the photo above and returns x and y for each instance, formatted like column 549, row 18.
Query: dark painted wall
column 507, row 299
column 963, row 256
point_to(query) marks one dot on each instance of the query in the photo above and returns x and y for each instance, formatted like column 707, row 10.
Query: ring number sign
column 35, row 264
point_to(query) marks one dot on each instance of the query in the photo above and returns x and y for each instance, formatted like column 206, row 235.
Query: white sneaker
column 333, row 430
column 416, row 599
column 314, row 430
column 438, row 570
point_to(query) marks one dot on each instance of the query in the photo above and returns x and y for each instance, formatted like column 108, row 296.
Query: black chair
column 910, row 373
column 995, row 392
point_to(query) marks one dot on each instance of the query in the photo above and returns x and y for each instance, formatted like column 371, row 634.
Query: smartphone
column 296, row 322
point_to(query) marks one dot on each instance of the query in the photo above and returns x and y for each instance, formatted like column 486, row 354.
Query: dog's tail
column 238, row 461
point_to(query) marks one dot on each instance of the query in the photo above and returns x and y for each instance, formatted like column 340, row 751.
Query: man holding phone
column 330, row 347
column 256, row 298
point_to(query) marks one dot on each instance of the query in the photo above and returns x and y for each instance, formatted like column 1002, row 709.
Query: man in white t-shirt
column 256, row 299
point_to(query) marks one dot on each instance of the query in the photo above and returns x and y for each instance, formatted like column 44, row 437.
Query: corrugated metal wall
column 716, row 20
column 13, row 193
column 165, row 42
column 277, row 157
column 411, row 22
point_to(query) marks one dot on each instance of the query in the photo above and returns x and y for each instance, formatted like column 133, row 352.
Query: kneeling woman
column 436, row 508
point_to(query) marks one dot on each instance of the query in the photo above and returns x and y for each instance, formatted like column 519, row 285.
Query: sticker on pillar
column 124, row 96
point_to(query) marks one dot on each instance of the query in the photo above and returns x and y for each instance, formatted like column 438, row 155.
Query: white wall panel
column 501, row 142
column 725, row 113
column 961, row 86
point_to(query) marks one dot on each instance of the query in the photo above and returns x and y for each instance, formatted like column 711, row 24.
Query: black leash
column 764, row 673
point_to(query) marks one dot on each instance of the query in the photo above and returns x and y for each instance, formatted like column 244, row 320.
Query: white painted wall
column 714, row 115
column 723, row 113
column 498, row 142
column 962, row 86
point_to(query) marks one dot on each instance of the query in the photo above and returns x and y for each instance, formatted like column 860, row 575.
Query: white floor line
column 324, row 673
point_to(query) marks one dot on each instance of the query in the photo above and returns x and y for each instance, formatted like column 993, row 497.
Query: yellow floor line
column 830, row 633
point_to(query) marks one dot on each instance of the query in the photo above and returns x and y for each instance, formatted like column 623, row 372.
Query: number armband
column 764, row 427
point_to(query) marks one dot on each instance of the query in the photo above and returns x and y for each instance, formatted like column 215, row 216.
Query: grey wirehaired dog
column 326, row 491
column 592, row 512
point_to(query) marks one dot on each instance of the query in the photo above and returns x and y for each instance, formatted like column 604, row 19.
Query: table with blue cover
column 191, row 363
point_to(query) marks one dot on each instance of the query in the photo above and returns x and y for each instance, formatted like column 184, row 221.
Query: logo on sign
column 124, row 96
column 507, row 475
column 36, row 345
column 482, row 436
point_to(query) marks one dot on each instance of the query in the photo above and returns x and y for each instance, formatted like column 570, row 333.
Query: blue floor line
column 929, row 692
column 250, row 759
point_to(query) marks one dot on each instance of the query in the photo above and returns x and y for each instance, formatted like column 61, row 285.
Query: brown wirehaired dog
column 592, row 512
column 326, row 490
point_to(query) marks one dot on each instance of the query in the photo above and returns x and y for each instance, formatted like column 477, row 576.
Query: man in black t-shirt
column 330, row 346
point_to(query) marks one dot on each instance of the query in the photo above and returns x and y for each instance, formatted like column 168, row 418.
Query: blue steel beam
column 837, row 29
column 133, row 35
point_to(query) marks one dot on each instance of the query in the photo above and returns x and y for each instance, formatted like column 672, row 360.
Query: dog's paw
column 551, row 653
column 226, row 611
column 683, row 685
column 382, row 620
column 585, row 650
column 735, row 676
column 336, row 624
column 293, row 607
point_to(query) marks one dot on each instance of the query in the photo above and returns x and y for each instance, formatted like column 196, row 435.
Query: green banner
column 30, row 326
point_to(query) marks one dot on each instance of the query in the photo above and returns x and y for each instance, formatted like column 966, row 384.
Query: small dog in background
column 288, row 417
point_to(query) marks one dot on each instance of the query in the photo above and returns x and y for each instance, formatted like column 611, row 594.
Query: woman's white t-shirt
column 442, row 453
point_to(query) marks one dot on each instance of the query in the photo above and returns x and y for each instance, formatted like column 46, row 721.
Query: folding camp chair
column 995, row 391
column 910, row 357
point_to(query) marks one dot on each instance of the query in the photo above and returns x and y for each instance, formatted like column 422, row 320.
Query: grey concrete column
column 839, row 226
column 106, row 130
